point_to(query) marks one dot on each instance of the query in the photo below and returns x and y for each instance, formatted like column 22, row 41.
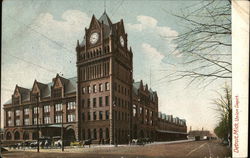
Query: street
column 193, row 149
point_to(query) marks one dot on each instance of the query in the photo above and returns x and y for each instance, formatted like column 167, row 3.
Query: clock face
column 122, row 41
column 94, row 38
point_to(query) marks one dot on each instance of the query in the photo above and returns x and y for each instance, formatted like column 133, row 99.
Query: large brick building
column 102, row 102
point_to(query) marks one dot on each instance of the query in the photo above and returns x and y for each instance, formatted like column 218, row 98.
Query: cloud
column 65, row 31
column 150, row 25
column 151, row 52
column 48, row 42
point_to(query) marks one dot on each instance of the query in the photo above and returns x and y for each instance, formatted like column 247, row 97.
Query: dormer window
column 33, row 97
column 57, row 92
column 16, row 101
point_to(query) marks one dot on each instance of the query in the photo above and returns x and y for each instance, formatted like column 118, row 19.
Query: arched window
column 25, row 135
column 94, row 133
column 100, row 133
column 34, row 135
column 8, row 136
column 17, row 135
column 107, row 133
column 89, row 134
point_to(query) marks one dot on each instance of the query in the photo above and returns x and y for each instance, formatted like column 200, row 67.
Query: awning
column 172, row 132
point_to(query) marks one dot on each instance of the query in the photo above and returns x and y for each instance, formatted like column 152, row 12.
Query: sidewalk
column 96, row 147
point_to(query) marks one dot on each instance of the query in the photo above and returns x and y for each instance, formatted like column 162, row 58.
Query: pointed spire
column 105, row 19
column 104, row 6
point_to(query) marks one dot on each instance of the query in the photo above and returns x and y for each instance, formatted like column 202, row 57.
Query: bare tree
column 224, row 108
column 204, row 44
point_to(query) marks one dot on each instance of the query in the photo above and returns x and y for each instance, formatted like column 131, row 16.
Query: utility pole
column 37, row 122
column 62, row 133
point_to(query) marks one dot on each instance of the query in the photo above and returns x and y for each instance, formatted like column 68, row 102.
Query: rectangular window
column 100, row 115
column 26, row 121
column 89, row 116
column 35, row 110
column 100, row 87
column 17, row 122
column 94, row 115
column 107, row 86
column 100, row 101
column 71, row 117
column 17, row 112
column 89, row 89
column 26, row 111
column 94, row 89
column 46, row 108
column 83, row 90
column 35, row 121
column 9, row 113
column 134, row 112
column 94, row 102
column 140, row 110
column 107, row 100
column 58, row 118
column 107, row 115
column 83, row 116
column 71, row 106
column 58, row 107
column 88, row 103
column 47, row 120
column 9, row 122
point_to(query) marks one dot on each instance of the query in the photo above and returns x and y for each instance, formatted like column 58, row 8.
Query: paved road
column 194, row 149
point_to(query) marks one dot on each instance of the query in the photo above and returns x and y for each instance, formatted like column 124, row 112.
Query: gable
column 35, row 88
column 16, row 92
column 94, row 24
column 57, row 83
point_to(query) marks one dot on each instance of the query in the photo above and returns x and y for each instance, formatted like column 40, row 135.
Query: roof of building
column 137, row 85
column 108, row 27
column 69, row 85
column 105, row 19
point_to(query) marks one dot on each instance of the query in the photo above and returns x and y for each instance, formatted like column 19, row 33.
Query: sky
column 39, row 39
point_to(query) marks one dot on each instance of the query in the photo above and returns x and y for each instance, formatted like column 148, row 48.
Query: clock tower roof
column 105, row 19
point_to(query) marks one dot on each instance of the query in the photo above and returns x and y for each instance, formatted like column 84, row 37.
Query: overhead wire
column 44, row 36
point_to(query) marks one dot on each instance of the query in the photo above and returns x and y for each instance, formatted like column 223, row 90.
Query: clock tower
column 104, row 82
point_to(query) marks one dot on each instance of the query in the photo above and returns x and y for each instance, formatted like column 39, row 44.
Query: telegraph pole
column 62, row 133
column 37, row 124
